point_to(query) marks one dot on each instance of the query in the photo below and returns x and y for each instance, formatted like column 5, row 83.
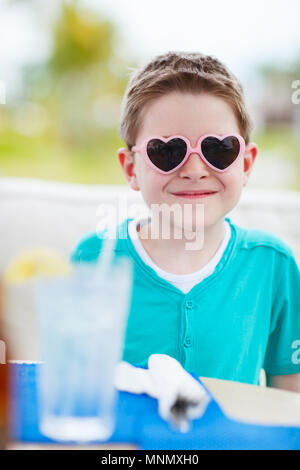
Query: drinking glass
column 82, row 320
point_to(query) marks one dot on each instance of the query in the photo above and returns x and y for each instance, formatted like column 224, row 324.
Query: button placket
column 189, row 305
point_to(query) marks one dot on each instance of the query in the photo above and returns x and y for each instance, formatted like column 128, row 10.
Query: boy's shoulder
column 89, row 247
column 253, row 238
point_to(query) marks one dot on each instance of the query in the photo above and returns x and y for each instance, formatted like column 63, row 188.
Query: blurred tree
column 62, row 123
column 80, row 39
column 82, row 81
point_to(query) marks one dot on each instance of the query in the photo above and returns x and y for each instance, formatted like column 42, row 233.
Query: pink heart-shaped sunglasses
column 168, row 154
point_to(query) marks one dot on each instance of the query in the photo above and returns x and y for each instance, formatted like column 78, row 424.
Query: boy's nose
column 194, row 167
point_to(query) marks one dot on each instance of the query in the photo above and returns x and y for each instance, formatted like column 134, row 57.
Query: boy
column 231, row 306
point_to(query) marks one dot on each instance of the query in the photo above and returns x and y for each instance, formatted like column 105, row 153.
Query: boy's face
column 191, row 116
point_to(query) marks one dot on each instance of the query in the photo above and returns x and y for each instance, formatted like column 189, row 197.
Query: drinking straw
column 107, row 254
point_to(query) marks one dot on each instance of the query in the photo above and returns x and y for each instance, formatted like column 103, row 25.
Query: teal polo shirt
column 243, row 317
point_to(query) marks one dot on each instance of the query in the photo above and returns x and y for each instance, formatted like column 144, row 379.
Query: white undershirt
column 184, row 282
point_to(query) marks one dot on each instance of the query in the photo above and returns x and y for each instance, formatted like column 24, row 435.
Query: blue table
column 139, row 423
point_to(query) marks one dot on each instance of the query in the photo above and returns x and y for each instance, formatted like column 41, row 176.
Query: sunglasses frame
column 143, row 150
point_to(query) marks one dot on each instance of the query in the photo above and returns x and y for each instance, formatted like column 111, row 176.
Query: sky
column 242, row 34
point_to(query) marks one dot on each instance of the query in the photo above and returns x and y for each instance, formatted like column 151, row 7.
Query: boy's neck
column 171, row 254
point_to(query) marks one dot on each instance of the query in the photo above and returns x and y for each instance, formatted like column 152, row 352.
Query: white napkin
column 180, row 396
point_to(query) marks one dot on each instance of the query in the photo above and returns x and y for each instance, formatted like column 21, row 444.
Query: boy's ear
column 127, row 162
column 249, row 158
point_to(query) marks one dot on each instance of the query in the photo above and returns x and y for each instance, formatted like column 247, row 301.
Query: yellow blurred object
column 36, row 262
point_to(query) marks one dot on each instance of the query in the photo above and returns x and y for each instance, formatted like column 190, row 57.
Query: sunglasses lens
column 220, row 153
column 166, row 155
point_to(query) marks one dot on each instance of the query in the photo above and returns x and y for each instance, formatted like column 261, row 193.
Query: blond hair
column 182, row 72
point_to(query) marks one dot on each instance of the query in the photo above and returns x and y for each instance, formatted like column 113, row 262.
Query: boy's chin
column 195, row 224
column 186, row 229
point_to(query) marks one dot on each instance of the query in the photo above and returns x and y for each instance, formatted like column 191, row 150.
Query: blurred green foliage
column 64, row 126
column 46, row 158
column 282, row 141
column 80, row 40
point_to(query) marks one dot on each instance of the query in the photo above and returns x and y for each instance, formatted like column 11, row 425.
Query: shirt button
column 189, row 304
column 187, row 343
